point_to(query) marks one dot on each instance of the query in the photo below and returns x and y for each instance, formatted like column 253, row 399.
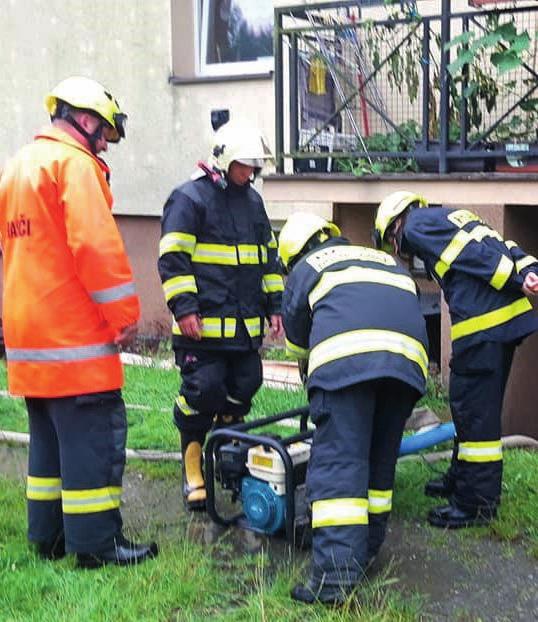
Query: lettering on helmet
column 19, row 228
column 334, row 254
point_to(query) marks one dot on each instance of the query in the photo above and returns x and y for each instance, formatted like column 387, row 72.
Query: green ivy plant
column 506, row 49
column 402, row 140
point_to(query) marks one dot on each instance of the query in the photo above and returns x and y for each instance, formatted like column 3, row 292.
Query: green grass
column 191, row 582
column 187, row 582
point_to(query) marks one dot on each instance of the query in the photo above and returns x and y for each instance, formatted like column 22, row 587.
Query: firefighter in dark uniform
column 353, row 314
column 220, row 276
column 486, row 282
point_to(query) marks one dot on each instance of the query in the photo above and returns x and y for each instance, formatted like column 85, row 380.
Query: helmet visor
column 116, row 133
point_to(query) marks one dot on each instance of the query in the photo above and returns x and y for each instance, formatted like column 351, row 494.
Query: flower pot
column 428, row 159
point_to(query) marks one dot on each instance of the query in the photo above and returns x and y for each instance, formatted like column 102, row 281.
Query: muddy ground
column 460, row 580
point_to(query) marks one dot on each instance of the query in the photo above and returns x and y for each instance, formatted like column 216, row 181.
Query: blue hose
column 414, row 443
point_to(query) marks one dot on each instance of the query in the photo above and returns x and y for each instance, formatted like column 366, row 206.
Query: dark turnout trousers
column 76, row 462
column 478, row 377
column 351, row 473
column 214, row 382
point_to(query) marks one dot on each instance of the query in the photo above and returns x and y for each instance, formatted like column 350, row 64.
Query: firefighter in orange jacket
column 69, row 303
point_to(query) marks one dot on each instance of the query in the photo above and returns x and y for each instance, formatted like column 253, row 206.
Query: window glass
column 236, row 36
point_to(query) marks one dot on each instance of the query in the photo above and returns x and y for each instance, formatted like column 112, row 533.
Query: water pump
column 265, row 474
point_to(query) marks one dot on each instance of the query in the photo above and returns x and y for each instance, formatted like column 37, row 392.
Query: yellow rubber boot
column 194, row 492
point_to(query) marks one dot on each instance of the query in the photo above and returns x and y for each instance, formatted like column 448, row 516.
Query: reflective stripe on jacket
column 354, row 313
column 68, row 285
column 217, row 258
column 480, row 274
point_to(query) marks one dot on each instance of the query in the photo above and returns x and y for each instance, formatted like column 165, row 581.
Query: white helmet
column 235, row 142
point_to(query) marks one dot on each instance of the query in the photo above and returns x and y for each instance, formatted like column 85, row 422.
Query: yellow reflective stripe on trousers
column 221, row 254
column 184, row 407
column 212, row 327
column 363, row 341
column 339, row 512
column 272, row 283
column 248, row 253
column 88, row 501
column 356, row 274
column 484, row 451
column 379, row 501
column 458, row 243
column 490, row 319
column 177, row 242
column 179, row 285
column 254, row 326
column 43, row 488
column 295, row 350
column 502, row 272
column 524, row 262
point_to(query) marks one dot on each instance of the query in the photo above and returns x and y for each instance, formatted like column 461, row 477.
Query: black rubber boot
column 318, row 592
column 53, row 549
column 440, row 487
column 123, row 553
column 453, row 517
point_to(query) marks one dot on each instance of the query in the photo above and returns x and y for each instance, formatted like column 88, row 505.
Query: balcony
column 361, row 93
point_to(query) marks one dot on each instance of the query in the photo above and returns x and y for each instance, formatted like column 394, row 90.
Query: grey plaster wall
column 126, row 45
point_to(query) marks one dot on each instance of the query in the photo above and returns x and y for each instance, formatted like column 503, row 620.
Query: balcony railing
column 352, row 91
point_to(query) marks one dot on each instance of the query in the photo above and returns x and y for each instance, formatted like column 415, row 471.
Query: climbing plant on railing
column 500, row 45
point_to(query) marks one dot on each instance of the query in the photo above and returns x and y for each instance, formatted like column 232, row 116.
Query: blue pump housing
column 264, row 509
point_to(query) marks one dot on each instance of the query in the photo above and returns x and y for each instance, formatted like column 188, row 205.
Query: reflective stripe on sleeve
column 88, row 501
column 43, row 488
column 113, row 294
column 221, row 254
column 357, row 274
column 524, row 262
column 76, row 353
column 458, row 243
column 339, row 512
column 179, row 285
column 297, row 351
column 184, row 407
column 485, row 451
column 272, row 242
column 502, row 273
column 254, row 326
column 272, row 283
column 379, row 501
column 490, row 319
column 363, row 341
column 177, row 242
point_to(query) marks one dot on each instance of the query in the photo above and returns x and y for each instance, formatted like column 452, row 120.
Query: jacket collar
column 58, row 135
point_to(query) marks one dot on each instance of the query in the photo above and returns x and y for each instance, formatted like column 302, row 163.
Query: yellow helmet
column 239, row 143
column 389, row 209
column 89, row 95
column 296, row 233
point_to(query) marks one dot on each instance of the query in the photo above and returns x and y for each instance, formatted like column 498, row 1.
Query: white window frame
column 261, row 66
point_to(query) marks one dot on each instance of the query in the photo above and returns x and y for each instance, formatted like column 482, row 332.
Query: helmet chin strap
column 92, row 138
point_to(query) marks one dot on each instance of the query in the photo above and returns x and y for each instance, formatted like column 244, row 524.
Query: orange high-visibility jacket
column 68, row 284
